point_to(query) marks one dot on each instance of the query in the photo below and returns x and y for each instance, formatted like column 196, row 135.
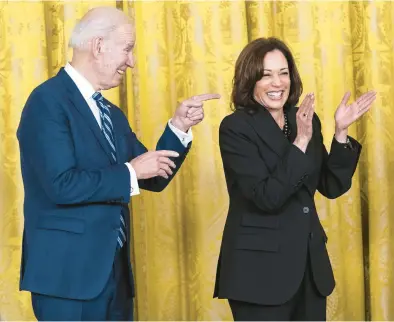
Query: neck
column 84, row 67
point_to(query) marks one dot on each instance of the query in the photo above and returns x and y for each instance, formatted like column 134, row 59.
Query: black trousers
column 306, row 305
column 115, row 302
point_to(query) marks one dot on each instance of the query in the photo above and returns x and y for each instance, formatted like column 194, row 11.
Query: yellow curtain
column 186, row 48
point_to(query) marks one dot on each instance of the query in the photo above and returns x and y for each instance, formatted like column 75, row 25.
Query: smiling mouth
column 277, row 95
column 121, row 72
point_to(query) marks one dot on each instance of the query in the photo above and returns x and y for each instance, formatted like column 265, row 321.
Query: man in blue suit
column 81, row 163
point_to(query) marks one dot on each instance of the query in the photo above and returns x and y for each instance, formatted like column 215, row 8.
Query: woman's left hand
column 345, row 115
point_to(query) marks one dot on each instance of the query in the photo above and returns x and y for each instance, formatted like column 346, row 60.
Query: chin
column 275, row 106
column 117, row 82
column 112, row 85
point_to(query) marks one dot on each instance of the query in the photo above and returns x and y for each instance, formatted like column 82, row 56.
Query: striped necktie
column 107, row 129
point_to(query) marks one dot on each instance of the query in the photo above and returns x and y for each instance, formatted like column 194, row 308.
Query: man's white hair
column 97, row 22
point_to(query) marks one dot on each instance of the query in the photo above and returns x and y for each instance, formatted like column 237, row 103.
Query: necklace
column 286, row 129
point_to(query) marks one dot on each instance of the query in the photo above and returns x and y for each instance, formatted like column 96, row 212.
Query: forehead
column 275, row 59
column 125, row 34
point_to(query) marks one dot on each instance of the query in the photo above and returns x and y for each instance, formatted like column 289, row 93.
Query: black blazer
column 272, row 219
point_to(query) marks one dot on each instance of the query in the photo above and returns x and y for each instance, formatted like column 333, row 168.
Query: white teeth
column 121, row 72
column 275, row 95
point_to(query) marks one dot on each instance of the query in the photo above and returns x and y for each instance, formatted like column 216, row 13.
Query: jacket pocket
column 51, row 222
column 257, row 242
column 265, row 221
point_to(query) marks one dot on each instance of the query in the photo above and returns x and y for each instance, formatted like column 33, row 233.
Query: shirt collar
column 81, row 82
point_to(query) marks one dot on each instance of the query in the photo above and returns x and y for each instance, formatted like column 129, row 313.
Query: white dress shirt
column 87, row 92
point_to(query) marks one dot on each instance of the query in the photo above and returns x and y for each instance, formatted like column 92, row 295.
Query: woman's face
column 272, row 90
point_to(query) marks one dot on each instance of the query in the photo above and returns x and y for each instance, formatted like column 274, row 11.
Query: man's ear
column 97, row 46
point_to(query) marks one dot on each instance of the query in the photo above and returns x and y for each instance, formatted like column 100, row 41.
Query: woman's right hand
column 304, row 118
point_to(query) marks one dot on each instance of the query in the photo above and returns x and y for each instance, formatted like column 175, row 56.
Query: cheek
column 118, row 62
column 260, row 87
column 106, row 65
column 287, row 82
column 111, row 61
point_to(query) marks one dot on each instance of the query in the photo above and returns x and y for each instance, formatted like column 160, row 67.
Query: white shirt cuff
column 185, row 138
column 134, row 188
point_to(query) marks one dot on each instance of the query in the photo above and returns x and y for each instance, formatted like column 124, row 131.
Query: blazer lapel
column 269, row 131
column 80, row 104
column 272, row 135
column 291, row 118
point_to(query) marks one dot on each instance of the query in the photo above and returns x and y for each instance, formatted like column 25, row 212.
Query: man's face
column 116, row 54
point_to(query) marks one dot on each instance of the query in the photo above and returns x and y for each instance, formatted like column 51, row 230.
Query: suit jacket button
column 311, row 235
column 305, row 210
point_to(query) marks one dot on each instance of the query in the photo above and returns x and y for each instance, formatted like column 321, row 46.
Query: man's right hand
column 154, row 163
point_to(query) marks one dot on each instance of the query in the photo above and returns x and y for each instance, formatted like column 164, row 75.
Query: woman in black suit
column 273, row 263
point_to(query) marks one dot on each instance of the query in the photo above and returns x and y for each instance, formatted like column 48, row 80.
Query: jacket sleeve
column 168, row 141
column 338, row 166
column 269, row 191
column 46, row 146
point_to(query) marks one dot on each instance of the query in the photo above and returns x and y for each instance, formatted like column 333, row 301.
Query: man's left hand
column 191, row 112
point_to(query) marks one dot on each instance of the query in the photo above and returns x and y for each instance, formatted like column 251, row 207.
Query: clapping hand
column 345, row 115
column 304, row 118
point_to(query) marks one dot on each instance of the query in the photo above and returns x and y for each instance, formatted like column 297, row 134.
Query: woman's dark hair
column 249, row 69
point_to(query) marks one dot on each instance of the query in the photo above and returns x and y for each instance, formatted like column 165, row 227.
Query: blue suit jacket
column 74, row 192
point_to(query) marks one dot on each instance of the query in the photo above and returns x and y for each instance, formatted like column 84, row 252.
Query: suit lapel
column 83, row 108
column 269, row 131
column 291, row 118
column 272, row 135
